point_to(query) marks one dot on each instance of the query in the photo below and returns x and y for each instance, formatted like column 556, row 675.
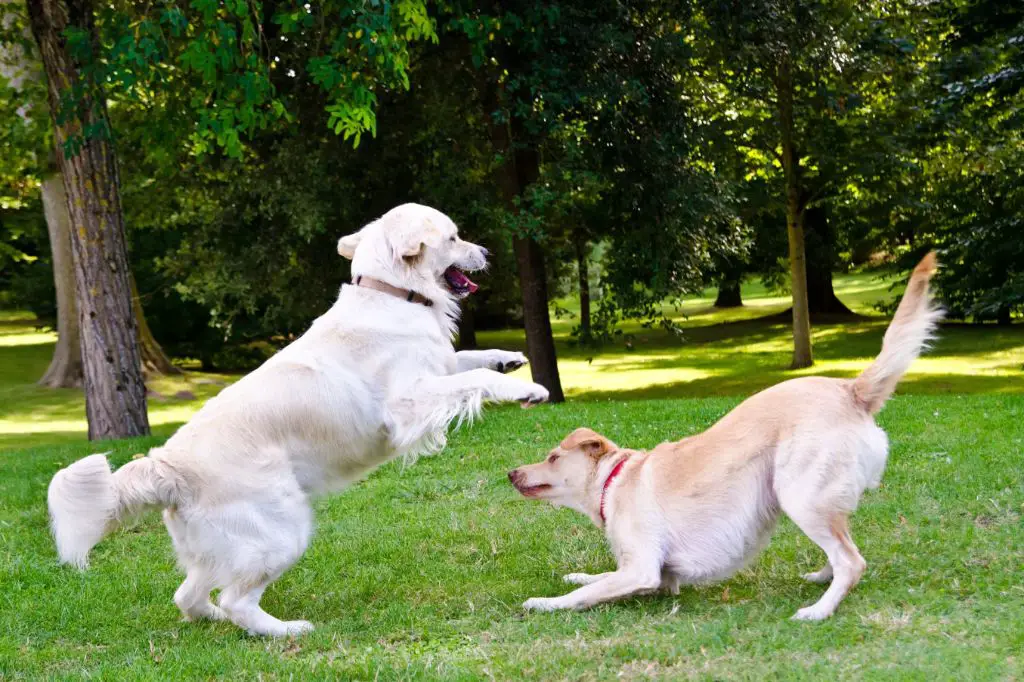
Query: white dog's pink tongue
column 459, row 281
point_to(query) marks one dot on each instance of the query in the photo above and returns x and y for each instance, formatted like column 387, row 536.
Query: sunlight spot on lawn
column 24, row 338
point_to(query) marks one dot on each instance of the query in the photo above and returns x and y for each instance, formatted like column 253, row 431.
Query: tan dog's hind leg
column 832, row 534
column 820, row 577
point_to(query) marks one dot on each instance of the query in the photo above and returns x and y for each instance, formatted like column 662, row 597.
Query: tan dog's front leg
column 584, row 578
column 616, row 585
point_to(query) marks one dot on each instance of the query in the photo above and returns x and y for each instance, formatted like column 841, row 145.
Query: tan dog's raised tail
column 696, row 510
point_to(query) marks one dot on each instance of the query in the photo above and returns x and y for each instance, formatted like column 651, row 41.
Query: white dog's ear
column 347, row 245
column 410, row 243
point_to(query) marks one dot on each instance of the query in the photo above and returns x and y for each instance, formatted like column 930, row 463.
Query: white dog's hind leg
column 193, row 596
column 241, row 603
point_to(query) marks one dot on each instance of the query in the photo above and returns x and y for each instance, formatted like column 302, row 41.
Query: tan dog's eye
column 552, row 458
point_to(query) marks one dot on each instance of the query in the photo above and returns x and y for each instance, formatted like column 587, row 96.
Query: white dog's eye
column 452, row 238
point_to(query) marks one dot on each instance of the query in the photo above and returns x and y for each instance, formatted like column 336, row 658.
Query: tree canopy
column 654, row 147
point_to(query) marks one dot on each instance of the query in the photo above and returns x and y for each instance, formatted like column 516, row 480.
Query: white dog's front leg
column 615, row 585
column 503, row 361
column 430, row 404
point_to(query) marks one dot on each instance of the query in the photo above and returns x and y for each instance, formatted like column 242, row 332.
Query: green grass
column 419, row 572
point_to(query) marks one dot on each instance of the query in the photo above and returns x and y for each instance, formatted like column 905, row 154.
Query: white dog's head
column 415, row 247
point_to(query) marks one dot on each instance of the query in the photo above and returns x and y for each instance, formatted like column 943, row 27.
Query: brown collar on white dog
column 384, row 287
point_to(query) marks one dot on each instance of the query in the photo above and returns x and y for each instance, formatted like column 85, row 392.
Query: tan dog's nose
column 514, row 476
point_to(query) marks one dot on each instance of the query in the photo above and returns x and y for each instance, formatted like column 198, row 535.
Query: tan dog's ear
column 589, row 441
column 347, row 245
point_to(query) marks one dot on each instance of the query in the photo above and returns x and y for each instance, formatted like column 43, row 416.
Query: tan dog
column 696, row 510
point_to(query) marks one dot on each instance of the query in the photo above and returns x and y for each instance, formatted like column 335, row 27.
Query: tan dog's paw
column 811, row 613
column 540, row 604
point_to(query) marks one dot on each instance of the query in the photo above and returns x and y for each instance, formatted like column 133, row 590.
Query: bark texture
column 115, row 396
column 821, row 295
column 65, row 370
column 154, row 359
column 802, row 355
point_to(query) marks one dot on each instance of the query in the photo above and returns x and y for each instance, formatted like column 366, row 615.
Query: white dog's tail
column 909, row 333
column 87, row 500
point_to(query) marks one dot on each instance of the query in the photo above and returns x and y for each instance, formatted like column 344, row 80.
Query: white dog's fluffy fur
column 696, row 510
column 374, row 378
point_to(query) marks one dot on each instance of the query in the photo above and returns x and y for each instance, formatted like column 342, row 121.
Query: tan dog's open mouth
column 515, row 477
column 532, row 490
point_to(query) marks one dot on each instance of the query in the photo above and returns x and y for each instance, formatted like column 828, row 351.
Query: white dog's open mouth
column 458, row 283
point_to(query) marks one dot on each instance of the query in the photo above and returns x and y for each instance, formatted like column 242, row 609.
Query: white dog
column 374, row 378
column 696, row 510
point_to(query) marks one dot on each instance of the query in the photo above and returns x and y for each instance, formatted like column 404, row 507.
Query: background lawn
column 732, row 352
column 420, row 572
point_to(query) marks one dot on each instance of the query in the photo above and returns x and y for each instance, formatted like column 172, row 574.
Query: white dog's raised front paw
column 508, row 361
column 541, row 604
column 536, row 394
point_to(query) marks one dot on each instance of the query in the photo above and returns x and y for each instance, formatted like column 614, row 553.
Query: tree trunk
column 729, row 293
column 520, row 168
column 65, row 370
column 821, row 295
column 540, row 344
column 154, row 360
column 1003, row 316
column 19, row 66
column 467, row 328
column 802, row 355
column 115, row 395
column 584, row 277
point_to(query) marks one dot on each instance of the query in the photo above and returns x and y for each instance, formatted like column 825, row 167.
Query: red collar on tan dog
column 608, row 481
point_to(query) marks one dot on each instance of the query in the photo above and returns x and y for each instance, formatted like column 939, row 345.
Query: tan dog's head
column 415, row 247
column 567, row 476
